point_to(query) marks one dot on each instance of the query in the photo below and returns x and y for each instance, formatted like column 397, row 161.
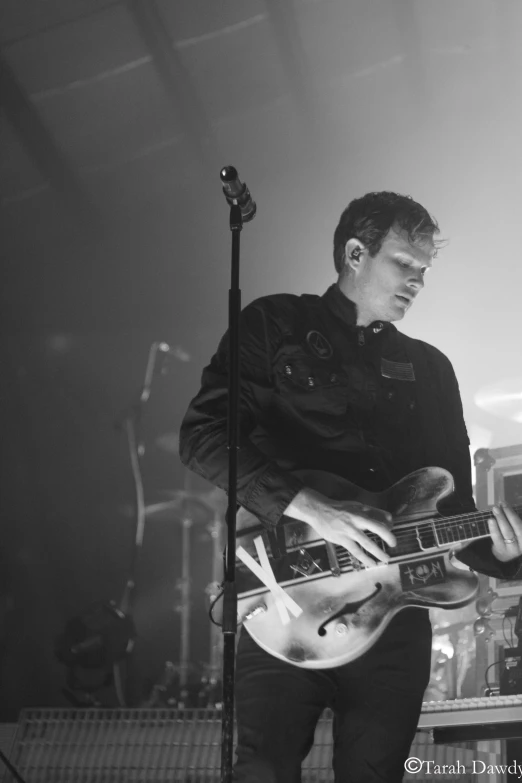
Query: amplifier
column 511, row 674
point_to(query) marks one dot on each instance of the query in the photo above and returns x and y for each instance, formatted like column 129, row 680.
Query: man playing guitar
column 332, row 392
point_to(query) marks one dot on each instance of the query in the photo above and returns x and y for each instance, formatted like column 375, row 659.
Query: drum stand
column 211, row 694
column 177, row 676
column 192, row 508
column 183, row 585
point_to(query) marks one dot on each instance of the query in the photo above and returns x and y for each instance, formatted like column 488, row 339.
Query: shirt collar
column 345, row 309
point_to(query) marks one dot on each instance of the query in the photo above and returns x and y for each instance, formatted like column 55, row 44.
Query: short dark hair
column 370, row 217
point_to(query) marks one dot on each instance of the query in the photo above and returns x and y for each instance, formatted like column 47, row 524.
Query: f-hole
column 349, row 609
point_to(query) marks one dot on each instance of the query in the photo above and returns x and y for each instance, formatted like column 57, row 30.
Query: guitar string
column 473, row 517
column 406, row 538
column 442, row 525
column 451, row 524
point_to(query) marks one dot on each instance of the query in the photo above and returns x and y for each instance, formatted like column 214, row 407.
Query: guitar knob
column 341, row 629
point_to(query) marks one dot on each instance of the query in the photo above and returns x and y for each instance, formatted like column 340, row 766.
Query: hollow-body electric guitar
column 310, row 603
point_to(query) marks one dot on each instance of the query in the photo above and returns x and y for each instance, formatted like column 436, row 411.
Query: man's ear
column 354, row 252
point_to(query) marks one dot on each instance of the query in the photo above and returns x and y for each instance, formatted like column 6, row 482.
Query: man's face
column 385, row 286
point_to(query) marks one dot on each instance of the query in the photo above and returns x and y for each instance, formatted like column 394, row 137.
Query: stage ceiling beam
column 293, row 58
column 43, row 150
column 175, row 78
column 410, row 39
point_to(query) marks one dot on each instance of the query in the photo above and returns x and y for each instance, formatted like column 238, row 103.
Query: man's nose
column 416, row 280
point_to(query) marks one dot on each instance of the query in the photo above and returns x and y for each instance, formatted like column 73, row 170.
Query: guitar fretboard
column 437, row 533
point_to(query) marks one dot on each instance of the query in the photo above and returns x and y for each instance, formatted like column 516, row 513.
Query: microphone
column 159, row 360
column 236, row 192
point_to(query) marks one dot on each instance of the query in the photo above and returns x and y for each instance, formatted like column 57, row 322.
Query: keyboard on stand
column 478, row 718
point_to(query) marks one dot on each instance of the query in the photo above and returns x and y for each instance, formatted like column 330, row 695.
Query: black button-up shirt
column 319, row 392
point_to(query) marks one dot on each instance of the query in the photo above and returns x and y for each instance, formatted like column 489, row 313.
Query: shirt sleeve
column 477, row 555
column 262, row 486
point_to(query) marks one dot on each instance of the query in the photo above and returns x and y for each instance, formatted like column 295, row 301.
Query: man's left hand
column 505, row 528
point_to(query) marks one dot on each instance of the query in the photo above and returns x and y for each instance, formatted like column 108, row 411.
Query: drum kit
column 195, row 508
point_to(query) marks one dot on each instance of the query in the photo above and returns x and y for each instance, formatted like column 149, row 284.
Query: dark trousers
column 376, row 702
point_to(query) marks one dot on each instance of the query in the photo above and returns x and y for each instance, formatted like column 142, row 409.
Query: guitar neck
column 463, row 527
column 429, row 534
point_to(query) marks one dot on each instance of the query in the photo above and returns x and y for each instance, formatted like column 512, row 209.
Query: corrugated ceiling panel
column 201, row 18
column 336, row 37
column 19, row 178
column 28, row 18
column 81, row 50
column 236, row 72
column 108, row 122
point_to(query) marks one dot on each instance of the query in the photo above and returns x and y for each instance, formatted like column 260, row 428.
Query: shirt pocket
column 313, row 391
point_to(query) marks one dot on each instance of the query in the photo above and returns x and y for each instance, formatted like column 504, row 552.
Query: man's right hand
column 345, row 522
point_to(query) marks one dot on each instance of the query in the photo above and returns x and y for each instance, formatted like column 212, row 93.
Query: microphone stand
column 229, row 587
column 131, row 421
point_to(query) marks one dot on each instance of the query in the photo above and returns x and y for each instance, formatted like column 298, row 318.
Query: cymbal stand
column 183, row 606
column 131, row 420
column 212, row 591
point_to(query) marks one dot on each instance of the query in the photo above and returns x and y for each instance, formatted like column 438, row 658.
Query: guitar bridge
column 305, row 565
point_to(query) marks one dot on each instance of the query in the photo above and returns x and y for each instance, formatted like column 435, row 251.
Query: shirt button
column 333, row 378
column 311, row 380
column 371, row 470
column 411, row 405
column 389, row 394
column 288, row 369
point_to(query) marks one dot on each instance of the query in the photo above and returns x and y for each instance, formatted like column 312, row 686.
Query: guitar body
column 343, row 615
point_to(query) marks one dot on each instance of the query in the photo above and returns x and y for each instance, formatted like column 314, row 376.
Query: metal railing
column 156, row 746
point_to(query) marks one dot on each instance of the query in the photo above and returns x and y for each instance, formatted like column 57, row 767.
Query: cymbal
column 503, row 398
column 198, row 507
column 214, row 498
column 181, row 505
column 170, row 512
